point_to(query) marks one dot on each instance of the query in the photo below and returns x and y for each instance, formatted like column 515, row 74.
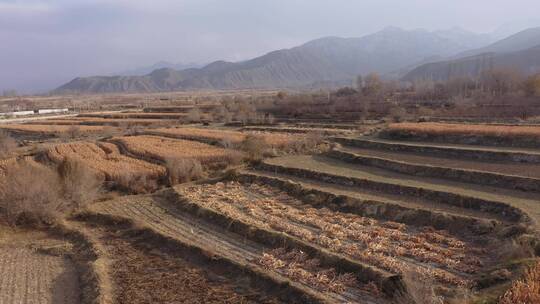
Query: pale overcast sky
column 46, row 43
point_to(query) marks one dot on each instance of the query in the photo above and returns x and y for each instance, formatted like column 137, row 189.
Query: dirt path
column 519, row 169
column 529, row 202
column 28, row 276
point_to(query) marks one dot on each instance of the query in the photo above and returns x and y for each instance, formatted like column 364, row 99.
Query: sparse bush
column 194, row 115
column 136, row 183
column 180, row 170
column 420, row 290
column 255, row 147
column 73, row 132
column 81, row 185
column 31, row 194
column 526, row 290
column 7, row 144
column 397, row 114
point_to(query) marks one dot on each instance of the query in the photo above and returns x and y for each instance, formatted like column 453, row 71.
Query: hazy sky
column 46, row 43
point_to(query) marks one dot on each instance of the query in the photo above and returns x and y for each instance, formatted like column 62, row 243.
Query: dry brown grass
column 446, row 129
column 526, row 290
column 183, row 170
column 7, row 144
column 165, row 149
column 29, row 193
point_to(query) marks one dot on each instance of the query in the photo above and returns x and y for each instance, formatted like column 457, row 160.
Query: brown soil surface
column 28, row 275
column 190, row 230
column 519, row 169
column 146, row 275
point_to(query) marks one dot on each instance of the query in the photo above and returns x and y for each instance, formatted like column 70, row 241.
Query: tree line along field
column 172, row 213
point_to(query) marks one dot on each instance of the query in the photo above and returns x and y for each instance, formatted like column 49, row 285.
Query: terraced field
column 493, row 135
column 106, row 159
column 301, row 130
column 137, row 115
column 494, row 201
column 49, row 130
column 361, row 223
column 388, row 245
column 117, row 122
column 145, row 273
column 162, row 149
column 30, row 276
column 233, row 249
column 212, row 136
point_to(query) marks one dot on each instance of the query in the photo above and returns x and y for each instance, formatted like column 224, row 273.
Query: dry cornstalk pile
column 388, row 245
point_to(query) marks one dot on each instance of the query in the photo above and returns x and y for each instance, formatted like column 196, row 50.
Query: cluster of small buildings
column 34, row 112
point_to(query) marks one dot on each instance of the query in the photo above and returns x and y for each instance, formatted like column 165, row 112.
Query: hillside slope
column 518, row 52
column 326, row 60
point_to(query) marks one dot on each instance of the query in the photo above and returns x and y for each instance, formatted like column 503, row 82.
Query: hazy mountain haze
column 48, row 42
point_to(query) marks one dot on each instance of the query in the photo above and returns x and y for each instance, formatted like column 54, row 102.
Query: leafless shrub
column 31, row 194
column 194, row 115
column 7, row 144
column 136, row 183
column 514, row 250
column 226, row 142
column 526, row 290
column 255, row 146
column 310, row 142
column 420, row 290
column 81, row 185
column 73, row 132
column 397, row 114
column 183, row 170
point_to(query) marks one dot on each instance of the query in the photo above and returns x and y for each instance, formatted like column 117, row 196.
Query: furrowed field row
column 388, row 245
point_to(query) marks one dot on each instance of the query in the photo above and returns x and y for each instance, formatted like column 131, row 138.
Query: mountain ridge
column 324, row 60
column 520, row 51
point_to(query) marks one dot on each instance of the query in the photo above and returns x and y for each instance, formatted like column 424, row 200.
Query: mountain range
column 332, row 61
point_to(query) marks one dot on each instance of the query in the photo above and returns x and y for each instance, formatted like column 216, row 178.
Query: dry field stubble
column 447, row 129
column 391, row 246
column 105, row 122
column 165, row 149
column 275, row 140
column 56, row 130
column 31, row 271
column 143, row 274
column 525, row 290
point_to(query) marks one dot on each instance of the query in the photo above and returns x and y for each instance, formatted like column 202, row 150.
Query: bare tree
column 372, row 85
column 7, row 144
column 501, row 81
column 194, row 115
column 359, row 83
